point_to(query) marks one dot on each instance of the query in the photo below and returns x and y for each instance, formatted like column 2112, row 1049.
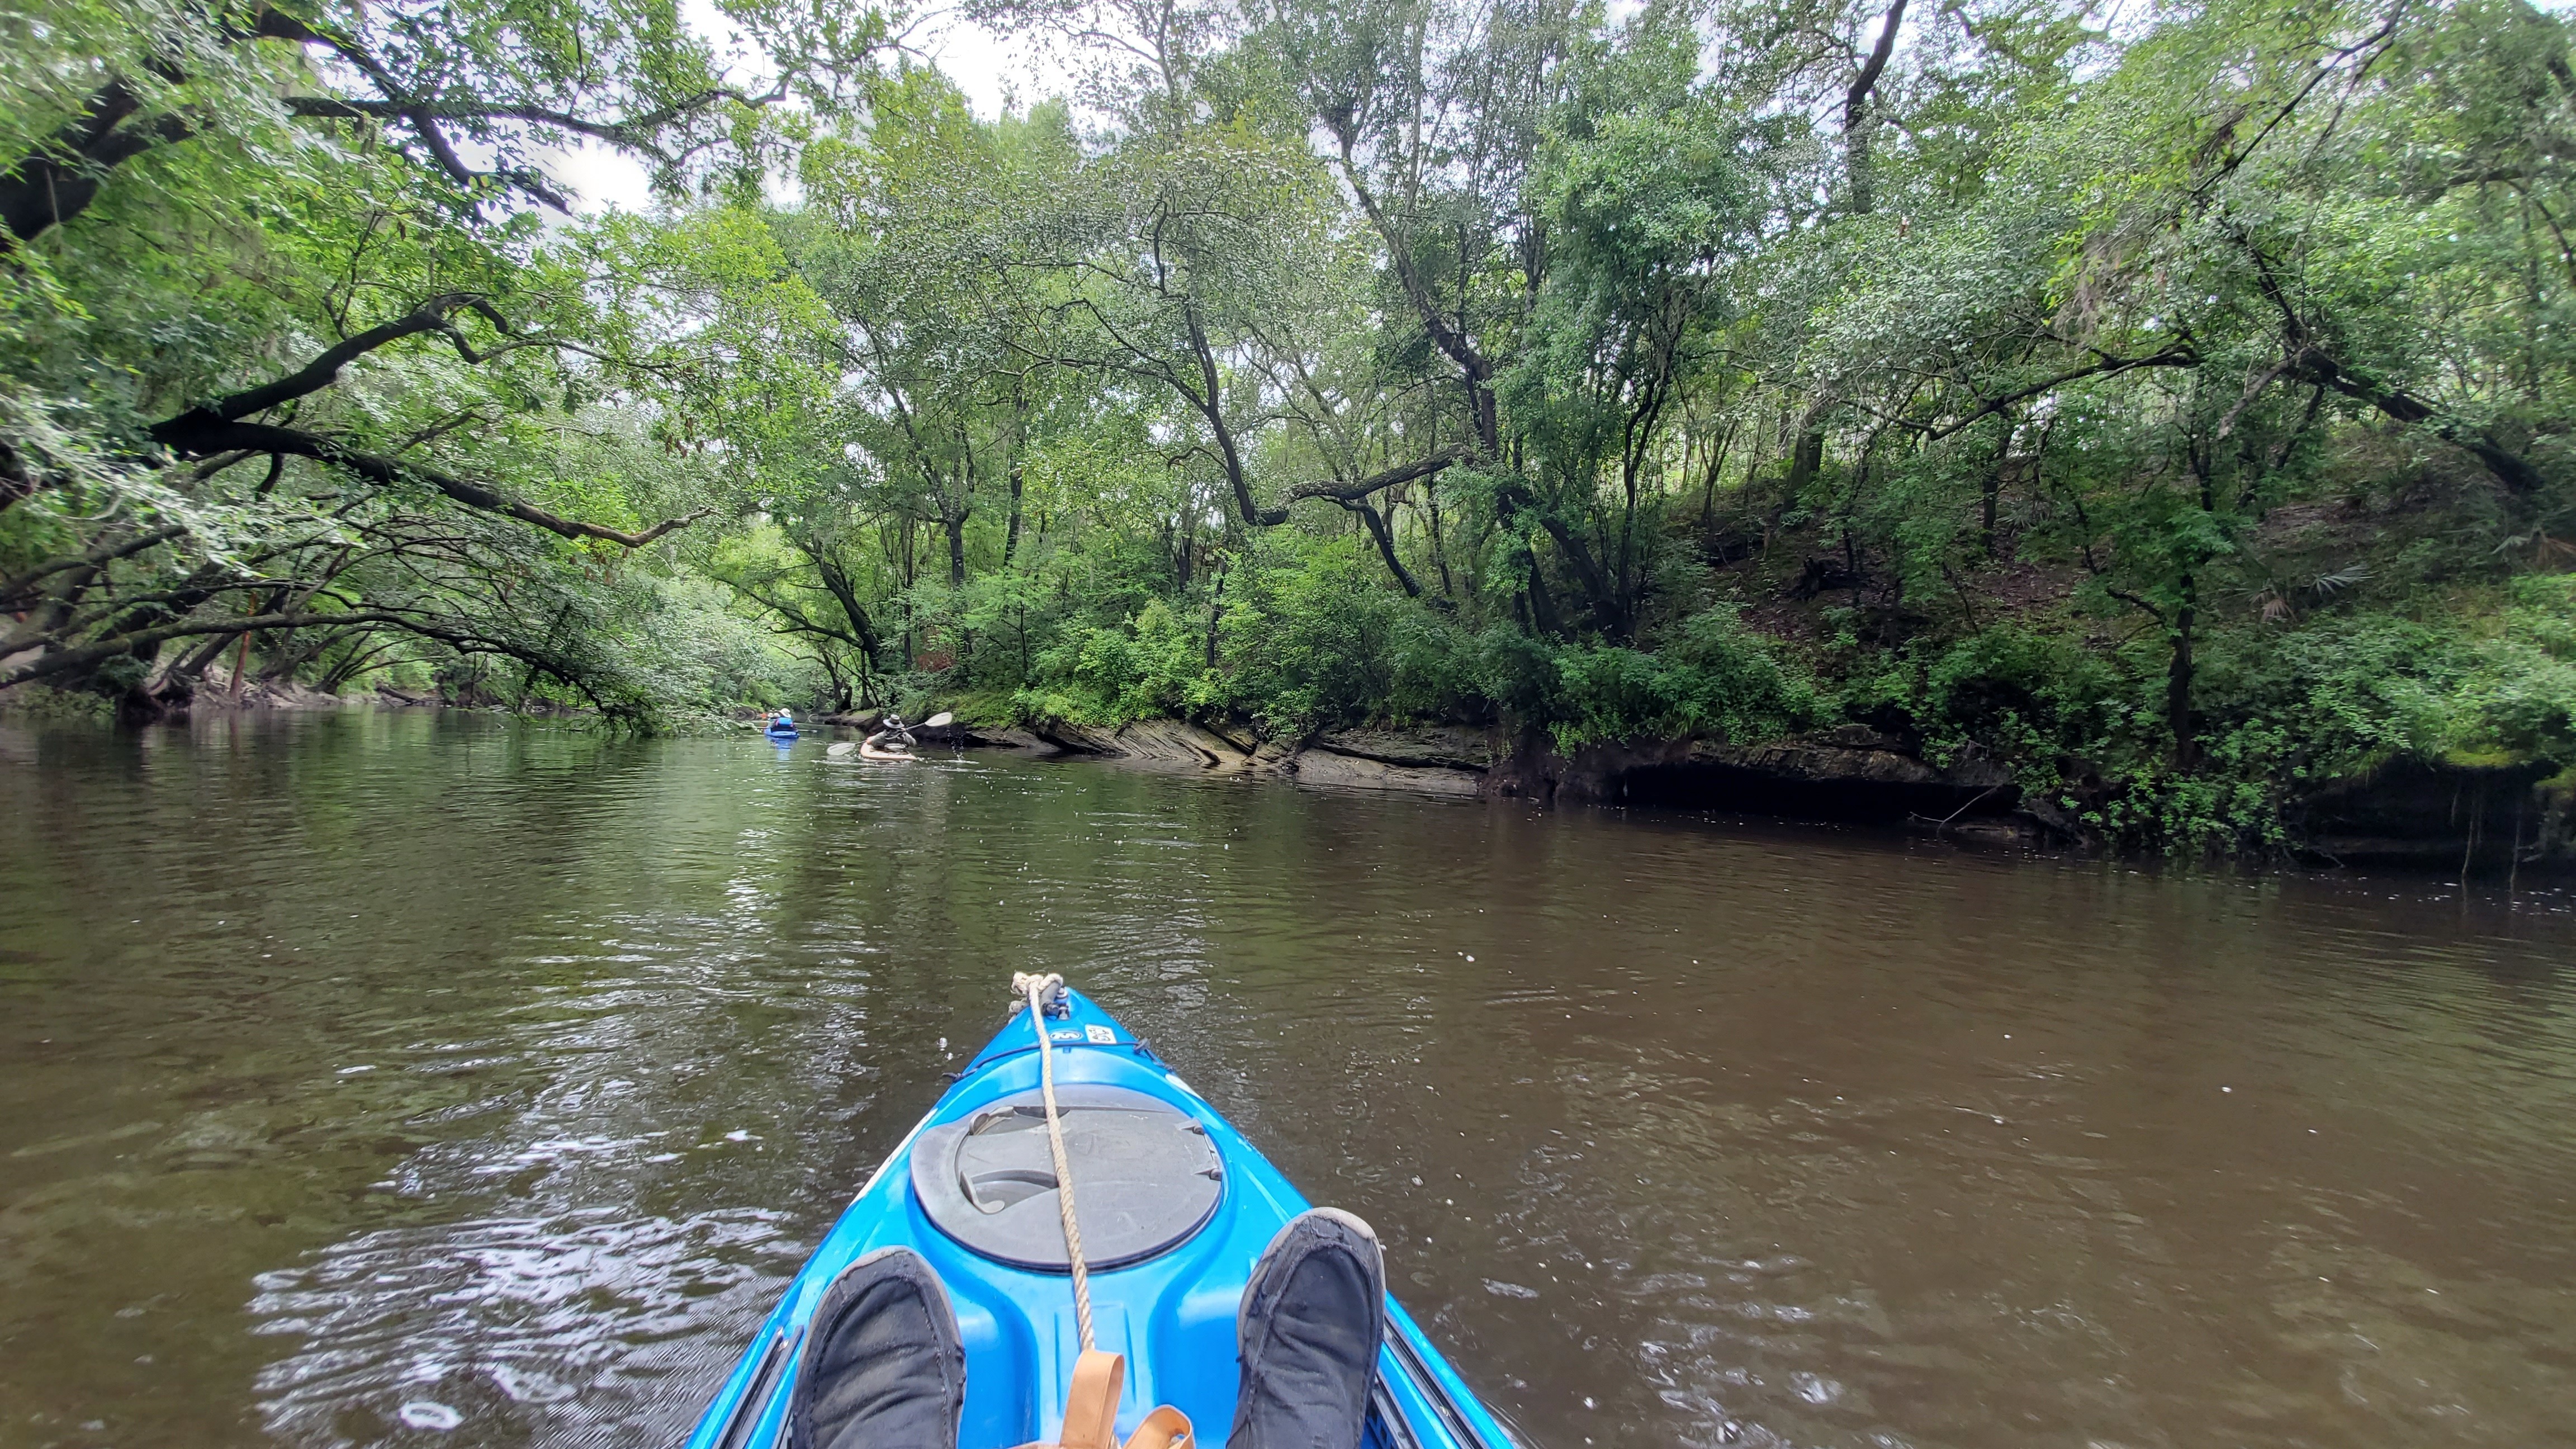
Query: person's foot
column 882, row 1366
column 1309, row 1329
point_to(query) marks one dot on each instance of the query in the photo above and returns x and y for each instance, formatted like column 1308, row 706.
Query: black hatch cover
column 1145, row 1177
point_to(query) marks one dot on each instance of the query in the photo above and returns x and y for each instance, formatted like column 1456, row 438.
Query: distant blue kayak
column 780, row 732
column 1175, row 1208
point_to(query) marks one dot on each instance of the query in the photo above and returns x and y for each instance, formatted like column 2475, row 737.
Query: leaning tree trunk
column 2178, row 680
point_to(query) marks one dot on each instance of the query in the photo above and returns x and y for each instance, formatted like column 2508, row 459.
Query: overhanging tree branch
column 65, row 660
column 200, row 432
column 433, row 315
column 217, row 428
column 105, row 552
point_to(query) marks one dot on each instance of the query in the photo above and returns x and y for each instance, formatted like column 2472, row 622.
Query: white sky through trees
column 996, row 73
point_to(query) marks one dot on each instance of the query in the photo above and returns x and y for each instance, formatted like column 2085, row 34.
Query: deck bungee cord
column 1091, row 1401
column 1037, row 989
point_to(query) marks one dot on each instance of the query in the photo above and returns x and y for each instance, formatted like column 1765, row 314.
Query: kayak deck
column 1172, row 1312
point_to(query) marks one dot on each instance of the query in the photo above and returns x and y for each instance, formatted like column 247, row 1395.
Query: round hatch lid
column 1145, row 1177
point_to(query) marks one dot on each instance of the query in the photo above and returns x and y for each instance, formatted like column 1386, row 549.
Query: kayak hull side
column 1173, row 1316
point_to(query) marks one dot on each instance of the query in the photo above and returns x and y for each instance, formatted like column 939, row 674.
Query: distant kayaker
column 891, row 740
column 883, row 1367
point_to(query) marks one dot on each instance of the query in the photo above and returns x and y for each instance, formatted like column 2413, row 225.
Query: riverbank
column 2460, row 819
column 2475, row 820
column 36, row 701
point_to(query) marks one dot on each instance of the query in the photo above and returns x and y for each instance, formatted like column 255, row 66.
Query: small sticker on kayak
column 1100, row 1035
column 1068, row 1034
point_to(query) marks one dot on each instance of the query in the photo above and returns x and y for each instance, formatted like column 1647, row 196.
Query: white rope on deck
column 1036, row 989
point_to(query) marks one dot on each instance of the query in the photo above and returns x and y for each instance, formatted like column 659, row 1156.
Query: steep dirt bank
column 1851, row 774
column 2483, row 821
column 2468, row 819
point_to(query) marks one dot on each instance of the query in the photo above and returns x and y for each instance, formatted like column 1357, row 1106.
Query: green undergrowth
column 1305, row 638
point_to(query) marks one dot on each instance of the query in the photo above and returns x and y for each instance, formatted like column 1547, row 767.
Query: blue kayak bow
column 1175, row 1207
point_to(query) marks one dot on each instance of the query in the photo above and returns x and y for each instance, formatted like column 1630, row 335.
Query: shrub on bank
column 1710, row 678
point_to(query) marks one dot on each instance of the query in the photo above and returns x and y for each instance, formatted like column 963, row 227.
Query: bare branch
column 1347, row 494
column 2174, row 354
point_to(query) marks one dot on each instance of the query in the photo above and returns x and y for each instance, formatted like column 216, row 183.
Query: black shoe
column 1312, row 1318
column 882, row 1366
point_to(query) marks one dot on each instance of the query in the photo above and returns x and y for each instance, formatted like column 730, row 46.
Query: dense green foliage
column 2173, row 408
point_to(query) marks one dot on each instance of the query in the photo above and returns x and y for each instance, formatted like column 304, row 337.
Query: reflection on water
column 402, row 1079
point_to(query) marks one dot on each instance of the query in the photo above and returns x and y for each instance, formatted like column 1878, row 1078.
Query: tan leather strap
column 1165, row 1428
column 1091, row 1400
column 1091, row 1411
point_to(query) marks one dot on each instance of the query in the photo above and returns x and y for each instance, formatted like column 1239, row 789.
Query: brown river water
column 406, row 1079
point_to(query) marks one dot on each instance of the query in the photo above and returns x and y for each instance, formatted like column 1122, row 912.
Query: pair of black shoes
column 883, row 1368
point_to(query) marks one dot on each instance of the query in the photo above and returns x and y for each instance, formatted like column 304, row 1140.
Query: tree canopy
column 2172, row 407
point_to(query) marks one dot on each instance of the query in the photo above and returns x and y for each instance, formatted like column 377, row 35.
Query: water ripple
column 376, row 1079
